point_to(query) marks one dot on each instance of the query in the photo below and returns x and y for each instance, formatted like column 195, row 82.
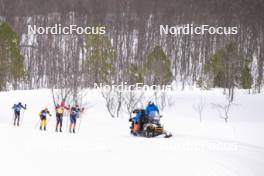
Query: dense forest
column 132, row 50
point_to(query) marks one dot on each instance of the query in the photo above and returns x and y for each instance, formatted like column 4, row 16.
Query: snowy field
column 104, row 145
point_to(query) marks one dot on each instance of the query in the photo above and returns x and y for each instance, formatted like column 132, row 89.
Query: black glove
column 130, row 120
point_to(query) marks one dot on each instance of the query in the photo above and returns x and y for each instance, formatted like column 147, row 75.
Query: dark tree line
column 132, row 34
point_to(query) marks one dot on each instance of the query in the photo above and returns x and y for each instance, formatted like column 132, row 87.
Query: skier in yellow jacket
column 43, row 118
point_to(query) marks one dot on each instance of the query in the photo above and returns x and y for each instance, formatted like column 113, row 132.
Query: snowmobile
column 148, row 127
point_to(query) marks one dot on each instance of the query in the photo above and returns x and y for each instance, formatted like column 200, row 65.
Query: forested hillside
column 133, row 40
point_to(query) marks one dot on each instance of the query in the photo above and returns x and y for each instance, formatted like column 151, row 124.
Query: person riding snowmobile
column 137, row 118
column 138, row 121
column 74, row 114
column 59, row 115
column 17, row 108
column 43, row 118
column 144, row 126
column 146, row 123
column 152, row 110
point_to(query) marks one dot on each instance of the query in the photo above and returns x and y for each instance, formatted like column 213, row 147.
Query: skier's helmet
column 62, row 103
column 135, row 111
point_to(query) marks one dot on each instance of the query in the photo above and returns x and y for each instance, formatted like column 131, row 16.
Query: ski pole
column 48, row 119
column 67, row 122
column 22, row 117
column 80, row 121
column 13, row 119
column 79, row 124
column 38, row 122
column 80, row 116
column 47, row 122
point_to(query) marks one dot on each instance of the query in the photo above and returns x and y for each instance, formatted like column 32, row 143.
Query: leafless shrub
column 199, row 107
column 224, row 109
column 113, row 100
column 132, row 100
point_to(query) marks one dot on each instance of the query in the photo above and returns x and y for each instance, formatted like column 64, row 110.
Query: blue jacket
column 137, row 117
column 75, row 112
column 18, row 107
column 151, row 108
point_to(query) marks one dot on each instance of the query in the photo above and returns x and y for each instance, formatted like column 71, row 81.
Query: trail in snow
column 104, row 146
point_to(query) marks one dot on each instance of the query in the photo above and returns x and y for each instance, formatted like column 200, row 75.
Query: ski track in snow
column 180, row 154
column 104, row 146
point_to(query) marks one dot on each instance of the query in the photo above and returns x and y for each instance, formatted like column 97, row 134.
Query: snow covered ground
column 104, row 146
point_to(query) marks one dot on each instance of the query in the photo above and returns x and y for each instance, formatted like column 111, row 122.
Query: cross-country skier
column 43, row 118
column 59, row 115
column 17, row 108
column 74, row 114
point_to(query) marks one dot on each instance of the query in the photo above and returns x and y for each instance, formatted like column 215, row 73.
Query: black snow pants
column 17, row 118
column 59, row 121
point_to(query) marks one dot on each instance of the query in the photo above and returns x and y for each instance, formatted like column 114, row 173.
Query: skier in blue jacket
column 17, row 108
column 74, row 114
column 152, row 110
